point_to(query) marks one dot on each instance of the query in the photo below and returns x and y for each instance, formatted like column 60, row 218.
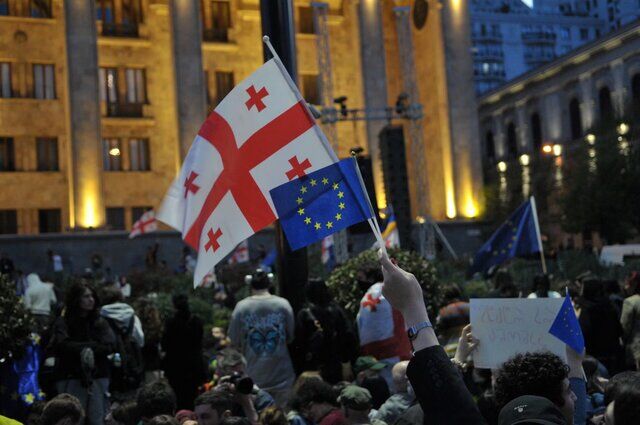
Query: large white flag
column 259, row 137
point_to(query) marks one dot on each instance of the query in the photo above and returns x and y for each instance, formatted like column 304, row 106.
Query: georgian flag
column 259, row 137
column 146, row 223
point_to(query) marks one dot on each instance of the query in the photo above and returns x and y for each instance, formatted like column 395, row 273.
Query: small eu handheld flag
column 566, row 327
column 321, row 203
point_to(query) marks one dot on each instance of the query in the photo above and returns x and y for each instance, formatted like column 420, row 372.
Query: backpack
column 129, row 373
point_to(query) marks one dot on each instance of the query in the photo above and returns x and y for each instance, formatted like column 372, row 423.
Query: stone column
column 619, row 88
column 374, row 78
column 522, row 128
column 463, row 109
column 187, row 48
column 499, row 137
column 552, row 119
column 587, row 103
column 86, row 143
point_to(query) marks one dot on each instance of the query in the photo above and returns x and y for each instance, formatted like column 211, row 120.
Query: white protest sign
column 508, row 326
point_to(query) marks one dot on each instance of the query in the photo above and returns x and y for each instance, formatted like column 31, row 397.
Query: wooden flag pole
column 534, row 211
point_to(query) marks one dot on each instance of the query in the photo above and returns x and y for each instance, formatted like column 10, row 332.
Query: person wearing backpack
column 328, row 339
column 127, row 366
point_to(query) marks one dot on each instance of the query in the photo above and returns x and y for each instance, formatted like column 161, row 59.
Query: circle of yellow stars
column 301, row 211
column 514, row 229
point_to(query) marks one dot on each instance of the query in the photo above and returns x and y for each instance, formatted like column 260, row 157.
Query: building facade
column 100, row 100
column 511, row 38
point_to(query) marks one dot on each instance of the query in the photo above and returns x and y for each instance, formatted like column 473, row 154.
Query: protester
column 326, row 337
column 273, row 416
column 542, row 288
column 613, row 292
column 152, row 328
column 39, row 298
column 356, row 403
column 600, row 325
column 156, row 398
column 261, row 327
column 452, row 317
column 624, row 408
column 82, row 342
column 401, row 400
column 182, row 343
column 55, row 266
column 503, row 286
column 531, row 409
column 318, row 403
column 595, row 387
column 630, row 320
column 6, row 265
column 183, row 416
column 211, row 407
column 63, row 409
column 163, row 420
column 128, row 371
column 125, row 413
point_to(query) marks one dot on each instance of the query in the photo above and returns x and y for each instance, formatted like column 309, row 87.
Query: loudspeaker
column 366, row 169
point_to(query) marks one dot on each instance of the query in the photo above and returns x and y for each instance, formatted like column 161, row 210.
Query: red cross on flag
column 259, row 137
column 146, row 223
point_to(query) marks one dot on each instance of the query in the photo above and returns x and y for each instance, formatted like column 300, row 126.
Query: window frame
column 56, row 218
column 6, row 89
column 8, row 222
column 142, row 154
column 109, row 161
column 7, row 149
column 51, row 159
column 109, row 212
column 42, row 90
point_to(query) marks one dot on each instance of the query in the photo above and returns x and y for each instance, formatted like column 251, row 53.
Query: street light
column 502, row 166
column 547, row 149
column 590, row 138
column 557, row 150
column 524, row 160
column 623, row 128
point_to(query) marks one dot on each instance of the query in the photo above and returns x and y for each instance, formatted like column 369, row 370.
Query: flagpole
column 534, row 209
column 373, row 221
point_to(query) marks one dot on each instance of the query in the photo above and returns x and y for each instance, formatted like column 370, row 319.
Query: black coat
column 182, row 343
column 440, row 389
column 72, row 335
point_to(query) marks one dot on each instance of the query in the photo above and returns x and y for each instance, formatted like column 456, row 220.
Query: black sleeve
column 440, row 389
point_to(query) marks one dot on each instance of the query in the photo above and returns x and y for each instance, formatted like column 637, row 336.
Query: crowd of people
column 110, row 359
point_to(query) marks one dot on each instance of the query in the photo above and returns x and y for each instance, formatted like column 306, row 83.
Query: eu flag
column 19, row 386
column 321, row 203
column 516, row 237
column 567, row 328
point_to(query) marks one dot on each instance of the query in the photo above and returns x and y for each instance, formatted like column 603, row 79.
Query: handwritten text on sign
column 509, row 326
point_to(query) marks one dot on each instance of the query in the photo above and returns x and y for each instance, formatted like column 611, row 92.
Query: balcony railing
column 494, row 36
column 539, row 37
column 539, row 57
column 119, row 30
column 488, row 55
column 125, row 110
column 216, row 35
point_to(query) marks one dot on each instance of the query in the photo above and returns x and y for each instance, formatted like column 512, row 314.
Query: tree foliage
column 15, row 322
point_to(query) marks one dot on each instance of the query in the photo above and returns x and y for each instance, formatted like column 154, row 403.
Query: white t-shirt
column 550, row 294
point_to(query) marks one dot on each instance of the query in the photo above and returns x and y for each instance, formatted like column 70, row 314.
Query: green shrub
column 15, row 322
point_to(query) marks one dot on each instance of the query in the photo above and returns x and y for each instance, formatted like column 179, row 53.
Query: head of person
column 81, row 300
column 399, row 376
column 541, row 285
column 305, row 376
column 230, row 361
column 502, row 279
column 150, row 318
column 125, row 414
column 632, row 284
column 183, row 416
column 530, row 409
column 592, row 289
column 111, row 295
column 212, row 407
column 34, row 413
column 163, row 420
column 451, row 293
column 367, row 276
column 618, row 383
column 260, row 280
column 590, row 366
column 63, row 409
column 273, row 415
column 356, row 403
column 317, row 292
column 235, row 420
column 181, row 303
column 154, row 399
column 366, row 367
column 626, row 406
column 612, row 287
column 539, row 374
column 315, row 399
column 33, row 279
column 378, row 389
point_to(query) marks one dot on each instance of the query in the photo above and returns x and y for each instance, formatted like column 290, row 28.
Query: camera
column 243, row 383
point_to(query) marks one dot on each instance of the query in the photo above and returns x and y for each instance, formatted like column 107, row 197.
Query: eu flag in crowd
column 19, row 386
column 516, row 237
column 566, row 327
column 321, row 203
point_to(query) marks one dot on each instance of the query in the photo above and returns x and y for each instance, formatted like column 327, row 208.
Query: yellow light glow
column 420, row 219
column 114, row 152
column 382, row 215
column 470, row 209
column 557, row 150
column 89, row 216
column 623, row 128
column 524, row 159
column 451, row 204
column 590, row 138
column 456, row 5
column 592, row 153
column 547, row 148
column 502, row 166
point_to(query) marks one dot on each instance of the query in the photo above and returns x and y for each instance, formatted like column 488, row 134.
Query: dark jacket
column 602, row 332
column 440, row 389
column 182, row 343
column 72, row 335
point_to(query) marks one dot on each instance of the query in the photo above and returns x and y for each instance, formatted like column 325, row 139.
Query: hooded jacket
column 39, row 295
column 120, row 315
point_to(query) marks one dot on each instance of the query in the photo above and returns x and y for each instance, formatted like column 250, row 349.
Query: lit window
column 47, row 153
column 139, row 155
column 111, row 155
column 5, row 80
column 44, row 82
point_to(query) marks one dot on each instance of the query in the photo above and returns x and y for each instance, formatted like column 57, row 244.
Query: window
column 207, row 92
column 5, row 79
column 8, row 218
column 104, row 11
column 139, row 155
column 606, row 107
column 136, row 212
column 635, row 88
column 49, row 220
column 131, row 12
column 4, row 7
column 108, row 85
column 575, row 119
column 136, row 86
column 115, row 218
column 310, row 90
column 119, row 18
column 512, row 143
column 305, row 20
column 584, row 34
column 220, row 22
column 489, row 146
column 44, row 82
column 111, row 155
column 6, row 154
column 224, row 84
column 565, row 33
column 40, row 8
column 47, row 153
column 536, row 131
